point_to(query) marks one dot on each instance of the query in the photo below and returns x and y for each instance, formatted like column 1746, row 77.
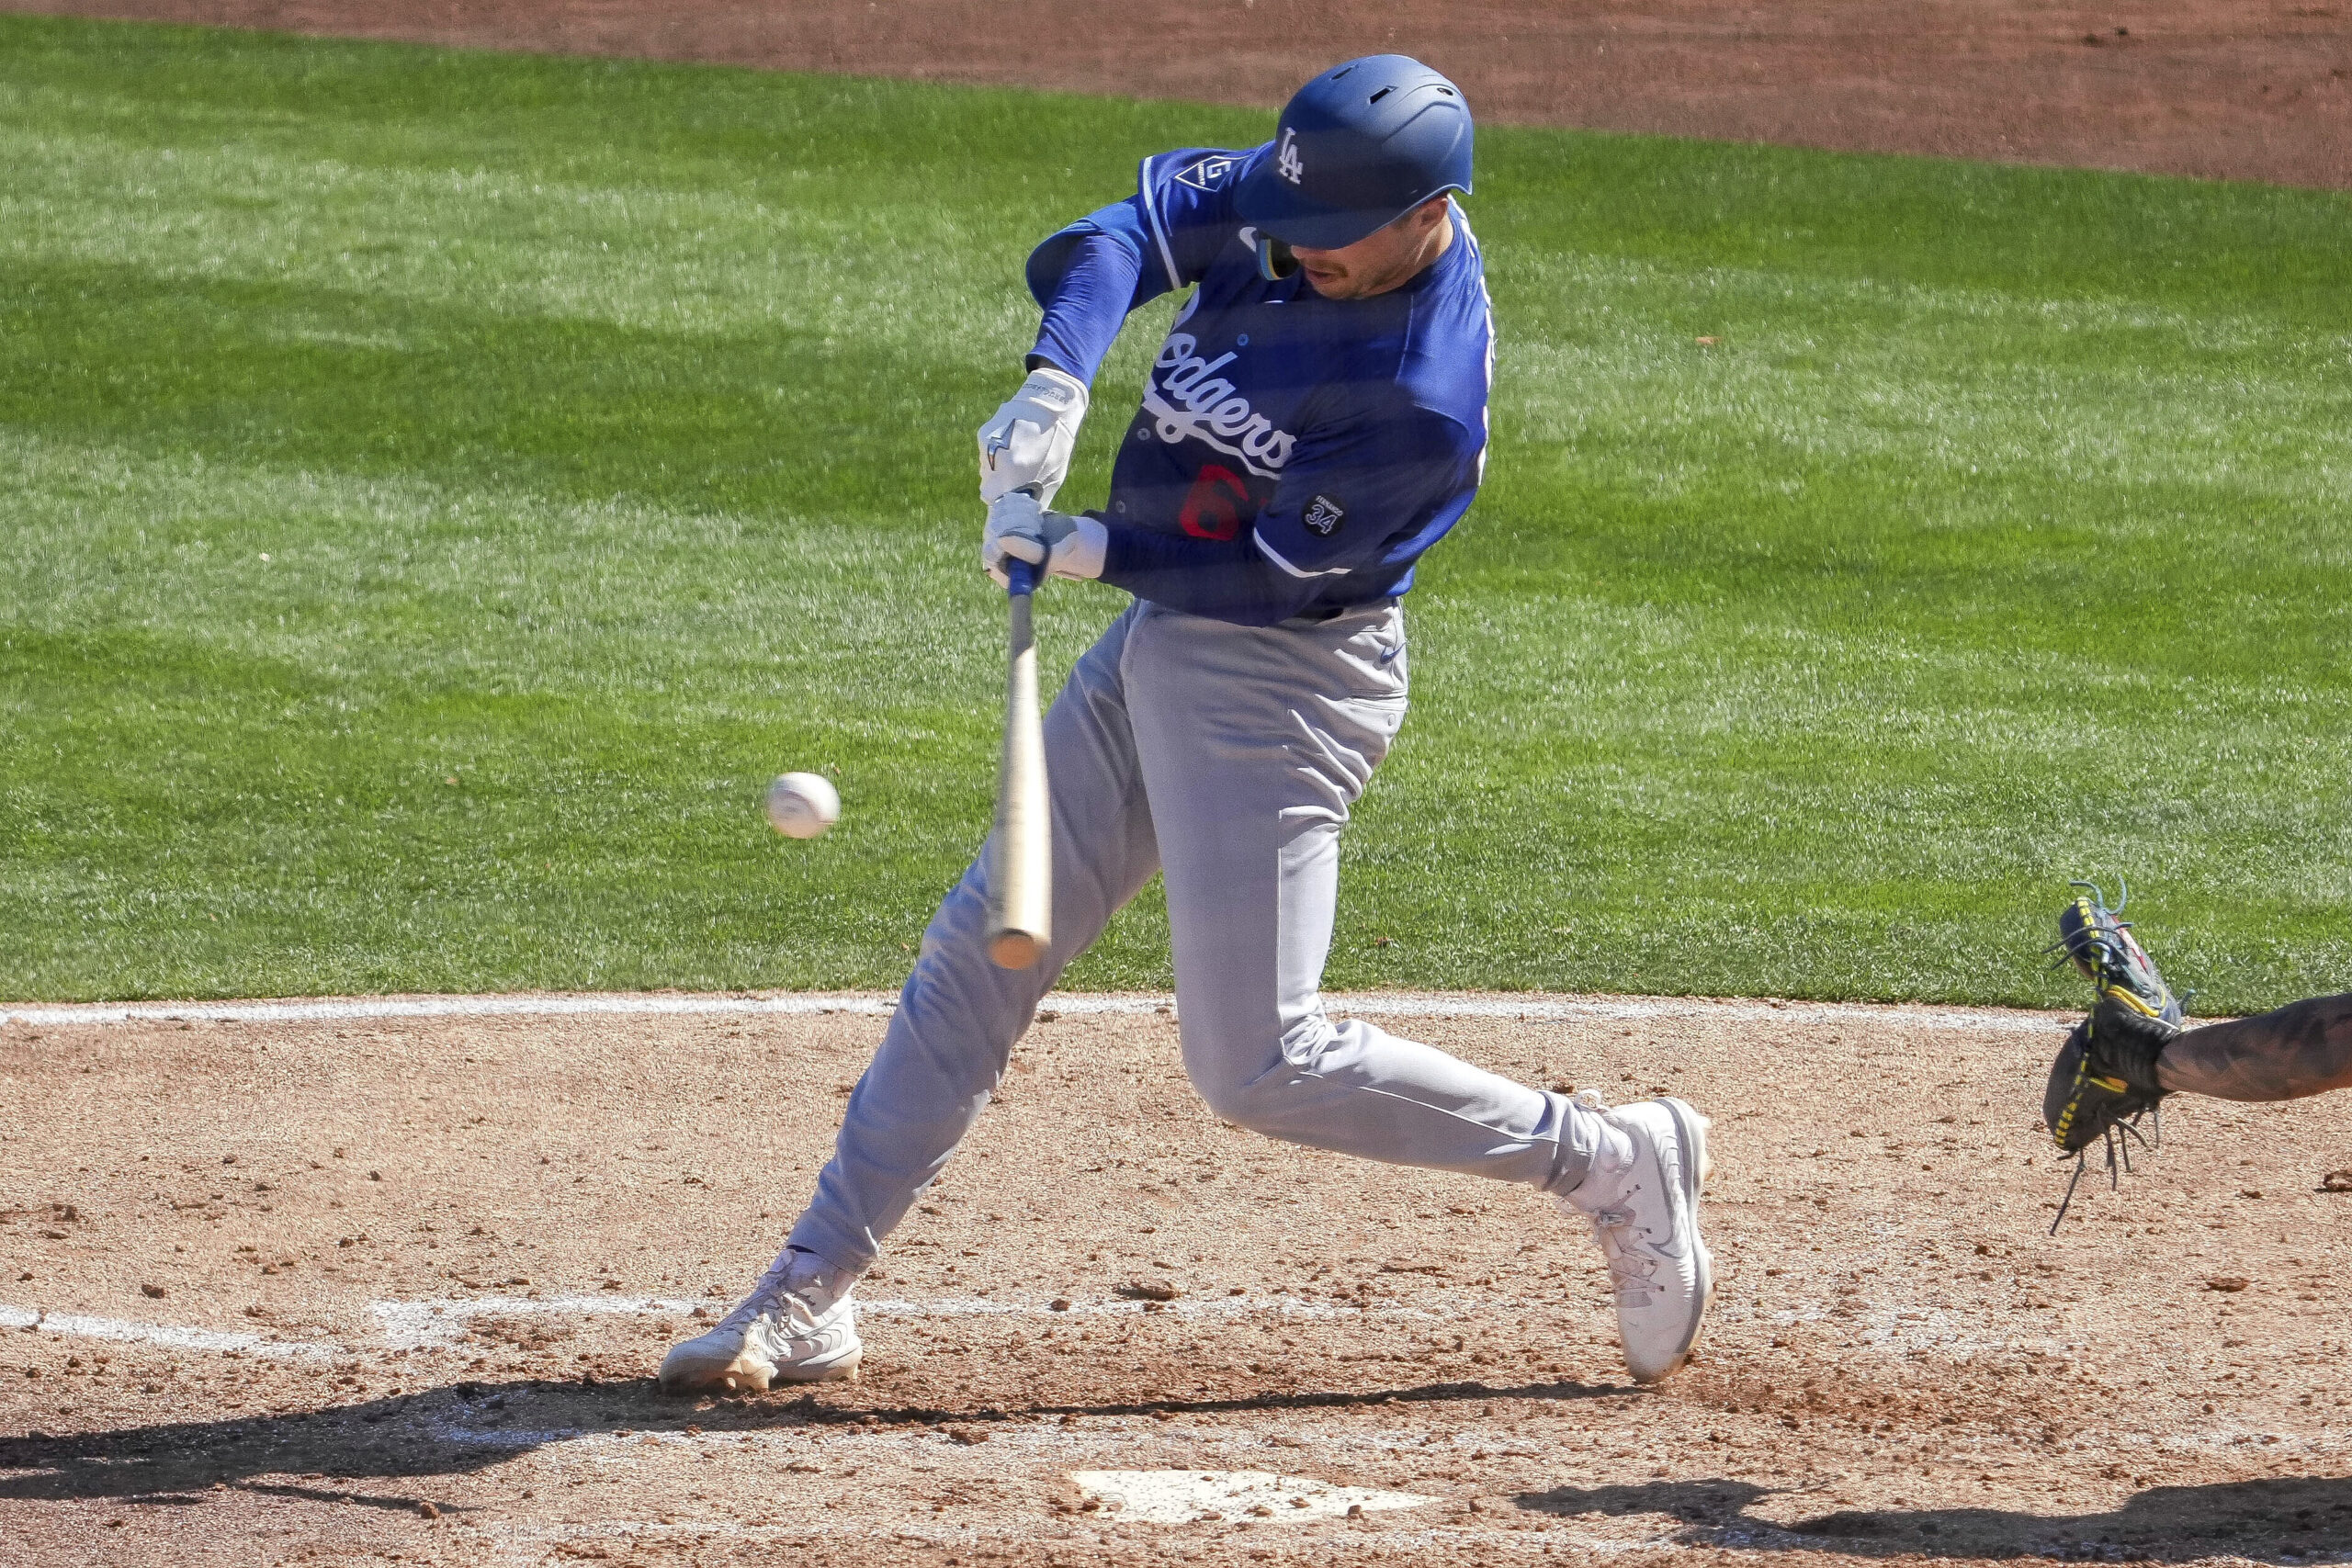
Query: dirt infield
column 389, row 1289
column 2240, row 89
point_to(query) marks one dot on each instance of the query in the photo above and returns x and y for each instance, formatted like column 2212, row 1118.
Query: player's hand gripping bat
column 1020, row 875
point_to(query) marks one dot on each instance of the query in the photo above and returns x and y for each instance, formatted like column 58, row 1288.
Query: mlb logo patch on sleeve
column 1324, row 515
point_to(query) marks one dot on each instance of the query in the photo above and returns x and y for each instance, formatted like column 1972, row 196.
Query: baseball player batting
column 1314, row 421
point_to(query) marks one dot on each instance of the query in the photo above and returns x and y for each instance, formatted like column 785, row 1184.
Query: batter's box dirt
column 483, row 1240
column 519, row 1335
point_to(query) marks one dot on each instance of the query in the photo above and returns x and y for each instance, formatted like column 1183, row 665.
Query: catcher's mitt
column 2099, row 942
column 2104, row 1075
column 2105, row 1078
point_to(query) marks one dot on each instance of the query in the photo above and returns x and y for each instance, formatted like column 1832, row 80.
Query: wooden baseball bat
column 1020, row 877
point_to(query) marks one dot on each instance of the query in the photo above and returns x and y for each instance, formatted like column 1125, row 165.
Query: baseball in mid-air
column 801, row 805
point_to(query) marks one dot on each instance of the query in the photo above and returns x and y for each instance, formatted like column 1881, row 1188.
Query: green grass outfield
column 438, row 490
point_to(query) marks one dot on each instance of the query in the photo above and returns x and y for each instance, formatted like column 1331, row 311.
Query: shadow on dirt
column 472, row 1426
column 2284, row 1520
column 332, row 1455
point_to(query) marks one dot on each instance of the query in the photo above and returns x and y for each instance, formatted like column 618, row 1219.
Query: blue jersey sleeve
column 1225, row 579
column 1369, row 491
column 1186, row 197
column 1088, row 276
column 1088, row 304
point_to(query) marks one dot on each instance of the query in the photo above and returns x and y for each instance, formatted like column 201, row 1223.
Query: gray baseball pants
column 1226, row 757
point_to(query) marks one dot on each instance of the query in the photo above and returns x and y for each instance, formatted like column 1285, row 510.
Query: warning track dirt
column 2231, row 89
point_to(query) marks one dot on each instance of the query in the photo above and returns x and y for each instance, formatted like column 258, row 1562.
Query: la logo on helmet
column 1286, row 160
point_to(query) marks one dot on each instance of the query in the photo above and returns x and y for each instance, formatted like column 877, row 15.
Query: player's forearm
column 1228, row 579
column 1087, row 305
column 2301, row 1049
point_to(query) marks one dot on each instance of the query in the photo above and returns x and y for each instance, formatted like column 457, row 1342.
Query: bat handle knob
column 1020, row 577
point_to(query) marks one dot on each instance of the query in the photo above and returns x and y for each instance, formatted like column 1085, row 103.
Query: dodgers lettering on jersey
column 1187, row 399
column 1343, row 436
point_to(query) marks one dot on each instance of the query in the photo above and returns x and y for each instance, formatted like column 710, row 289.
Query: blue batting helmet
column 1358, row 146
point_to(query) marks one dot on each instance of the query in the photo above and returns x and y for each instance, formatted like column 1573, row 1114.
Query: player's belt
column 1330, row 613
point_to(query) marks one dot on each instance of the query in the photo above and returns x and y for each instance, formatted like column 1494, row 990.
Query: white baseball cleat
column 799, row 1324
column 1645, row 1214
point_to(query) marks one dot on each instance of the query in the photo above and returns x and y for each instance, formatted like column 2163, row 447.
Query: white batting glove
column 1015, row 530
column 1018, row 529
column 1027, row 444
column 1078, row 549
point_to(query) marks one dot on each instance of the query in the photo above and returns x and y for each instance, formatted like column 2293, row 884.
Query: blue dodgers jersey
column 1346, row 436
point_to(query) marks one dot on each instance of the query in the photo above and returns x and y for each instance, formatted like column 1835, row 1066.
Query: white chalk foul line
column 616, row 1004
column 171, row 1336
column 437, row 1322
column 1370, row 1004
column 441, row 1321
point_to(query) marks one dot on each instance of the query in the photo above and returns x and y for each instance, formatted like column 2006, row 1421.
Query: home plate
column 1244, row 1496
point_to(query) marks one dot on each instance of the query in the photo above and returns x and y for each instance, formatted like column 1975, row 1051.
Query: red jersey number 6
column 1213, row 506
